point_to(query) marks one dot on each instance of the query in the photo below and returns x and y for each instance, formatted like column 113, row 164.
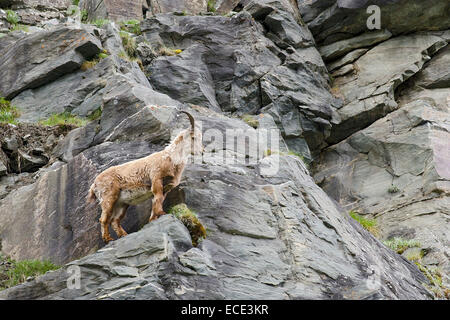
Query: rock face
column 368, row 110
column 34, row 12
column 268, row 237
column 115, row 10
column 32, row 61
column 259, row 61
column 187, row 6
column 331, row 21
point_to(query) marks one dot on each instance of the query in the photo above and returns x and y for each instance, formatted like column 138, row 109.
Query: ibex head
column 195, row 136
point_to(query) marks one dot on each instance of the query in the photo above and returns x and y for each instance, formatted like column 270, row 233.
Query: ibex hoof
column 107, row 239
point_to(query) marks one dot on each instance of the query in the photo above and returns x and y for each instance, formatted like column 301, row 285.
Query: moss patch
column 191, row 221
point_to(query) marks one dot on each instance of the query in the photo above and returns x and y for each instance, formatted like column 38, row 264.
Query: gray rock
column 331, row 21
column 338, row 49
column 223, row 66
column 23, row 68
column 405, row 149
column 113, row 10
column 348, row 58
column 436, row 74
column 187, row 6
column 368, row 93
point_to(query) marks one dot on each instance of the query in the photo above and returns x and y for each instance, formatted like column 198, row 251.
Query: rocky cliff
column 359, row 121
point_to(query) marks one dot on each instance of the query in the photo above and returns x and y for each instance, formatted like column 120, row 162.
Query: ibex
column 137, row 181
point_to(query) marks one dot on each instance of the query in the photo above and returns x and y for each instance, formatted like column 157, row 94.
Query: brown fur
column 136, row 181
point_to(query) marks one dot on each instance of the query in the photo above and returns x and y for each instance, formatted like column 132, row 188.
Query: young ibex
column 136, row 181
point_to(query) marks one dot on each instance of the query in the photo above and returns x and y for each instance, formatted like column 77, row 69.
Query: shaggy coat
column 136, row 181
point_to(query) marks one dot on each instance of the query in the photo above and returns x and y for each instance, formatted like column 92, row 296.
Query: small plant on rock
column 250, row 120
column 129, row 44
column 8, row 112
column 368, row 224
column 211, row 6
column 399, row 245
column 12, row 17
column 100, row 22
column 191, row 221
column 132, row 26
column 393, row 189
column 16, row 272
column 64, row 119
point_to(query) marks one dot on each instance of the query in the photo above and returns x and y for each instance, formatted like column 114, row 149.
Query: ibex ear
column 179, row 139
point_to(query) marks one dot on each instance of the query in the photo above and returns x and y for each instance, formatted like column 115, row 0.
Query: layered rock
column 32, row 61
column 260, row 60
column 181, row 6
column 36, row 12
column 116, row 10
column 397, row 168
column 368, row 85
column 269, row 237
column 331, row 21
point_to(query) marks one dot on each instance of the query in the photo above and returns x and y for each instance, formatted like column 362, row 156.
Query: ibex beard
column 136, row 181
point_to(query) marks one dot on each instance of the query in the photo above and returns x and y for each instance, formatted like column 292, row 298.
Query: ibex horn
column 191, row 119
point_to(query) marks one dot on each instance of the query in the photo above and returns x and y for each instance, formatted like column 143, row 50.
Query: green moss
column 75, row 2
column 368, row 224
column 399, row 245
column 62, row 119
column 191, row 221
column 8, row 112
column 17, row 272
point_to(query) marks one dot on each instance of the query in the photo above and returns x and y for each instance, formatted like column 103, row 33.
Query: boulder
column 31, row 61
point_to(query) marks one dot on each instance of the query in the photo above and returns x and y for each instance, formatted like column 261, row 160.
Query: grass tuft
column 191, row 221
column 100, row 22
column 12, row 17
column 13, row 272
column 400, row 245
column 368, row 224
column 96, row 114
column 129, row 44
column 8, row 112
column 393, row 189
column 250, row 120
column 132, row 26
column 88, row 64
column 64, row 119
column 211, row 5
